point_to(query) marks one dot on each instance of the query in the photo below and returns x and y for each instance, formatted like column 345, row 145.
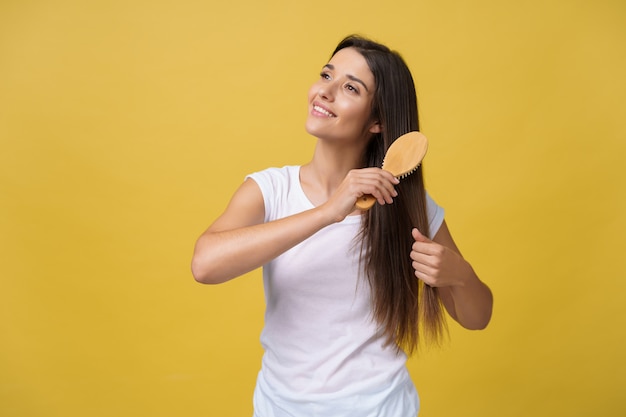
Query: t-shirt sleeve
column 264, row 180
column 274, row 185
column 435, row 215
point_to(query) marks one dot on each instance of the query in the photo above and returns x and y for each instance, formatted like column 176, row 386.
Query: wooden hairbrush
column 402, row 158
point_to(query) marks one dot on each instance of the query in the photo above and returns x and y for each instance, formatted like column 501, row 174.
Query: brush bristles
column 406, row 174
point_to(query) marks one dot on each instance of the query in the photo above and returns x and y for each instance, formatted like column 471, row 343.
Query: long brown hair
column 404, row 306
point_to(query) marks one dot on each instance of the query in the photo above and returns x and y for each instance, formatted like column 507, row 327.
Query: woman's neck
column 327, row 169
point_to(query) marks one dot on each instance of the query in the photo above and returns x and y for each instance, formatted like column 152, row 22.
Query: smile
column 323, row 111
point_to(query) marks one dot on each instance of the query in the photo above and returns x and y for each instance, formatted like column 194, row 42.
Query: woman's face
column 340, row 102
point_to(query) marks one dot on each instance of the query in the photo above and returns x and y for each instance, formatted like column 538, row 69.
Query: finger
column 420, row 257
column 419, row 237
column 381, row 172
column 385, row 183
column 388, row 193
column 422, row 273
column 426, row 254
column 390, row 177
column 420, row 268
column 425, row 264
column 421, row 250
column 380, row 188
column 424, row 245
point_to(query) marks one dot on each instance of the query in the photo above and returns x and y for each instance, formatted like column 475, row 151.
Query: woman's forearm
column 222, row 255
column 473, row 301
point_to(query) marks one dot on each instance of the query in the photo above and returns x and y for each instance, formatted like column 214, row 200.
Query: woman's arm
column 239, row 242
column 439, row 263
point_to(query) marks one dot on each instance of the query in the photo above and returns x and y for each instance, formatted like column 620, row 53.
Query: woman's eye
column 325, row 75
column 352, row 88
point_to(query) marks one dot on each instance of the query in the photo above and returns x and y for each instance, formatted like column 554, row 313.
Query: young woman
column 349, row 294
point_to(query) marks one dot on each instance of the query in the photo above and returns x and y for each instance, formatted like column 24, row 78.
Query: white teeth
column 323, row 111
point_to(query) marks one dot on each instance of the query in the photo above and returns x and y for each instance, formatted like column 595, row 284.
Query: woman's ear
column 376, row 127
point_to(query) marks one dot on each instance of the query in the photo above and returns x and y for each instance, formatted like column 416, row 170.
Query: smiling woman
column 342, row 89
column 349, row 293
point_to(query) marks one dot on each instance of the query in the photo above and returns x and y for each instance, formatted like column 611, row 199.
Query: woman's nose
column 327, row 91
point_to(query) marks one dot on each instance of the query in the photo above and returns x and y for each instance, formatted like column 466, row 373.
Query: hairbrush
column 402, row 158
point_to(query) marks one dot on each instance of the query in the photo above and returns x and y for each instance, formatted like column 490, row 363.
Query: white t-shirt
column 324, row 353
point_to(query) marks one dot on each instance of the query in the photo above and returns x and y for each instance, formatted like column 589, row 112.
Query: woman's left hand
column 435, row 264
column 439, row 263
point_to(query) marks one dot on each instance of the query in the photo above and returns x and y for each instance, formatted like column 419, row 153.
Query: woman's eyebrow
column 351, row 77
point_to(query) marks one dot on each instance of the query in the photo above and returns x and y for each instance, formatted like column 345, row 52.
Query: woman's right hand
column 359, row 182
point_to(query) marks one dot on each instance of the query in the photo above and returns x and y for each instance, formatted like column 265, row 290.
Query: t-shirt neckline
column 349, row 219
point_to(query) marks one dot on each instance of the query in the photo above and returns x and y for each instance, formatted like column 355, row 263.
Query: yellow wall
column 126, row 125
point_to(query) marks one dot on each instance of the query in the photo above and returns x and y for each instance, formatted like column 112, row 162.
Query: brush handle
column 365, row 202
column 403, row 157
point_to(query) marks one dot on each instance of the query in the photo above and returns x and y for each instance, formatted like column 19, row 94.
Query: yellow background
column 126, row 125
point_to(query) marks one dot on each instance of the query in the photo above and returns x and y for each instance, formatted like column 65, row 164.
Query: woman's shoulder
column 272, row 174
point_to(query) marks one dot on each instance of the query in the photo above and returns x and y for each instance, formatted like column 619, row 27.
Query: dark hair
column 403, row 304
